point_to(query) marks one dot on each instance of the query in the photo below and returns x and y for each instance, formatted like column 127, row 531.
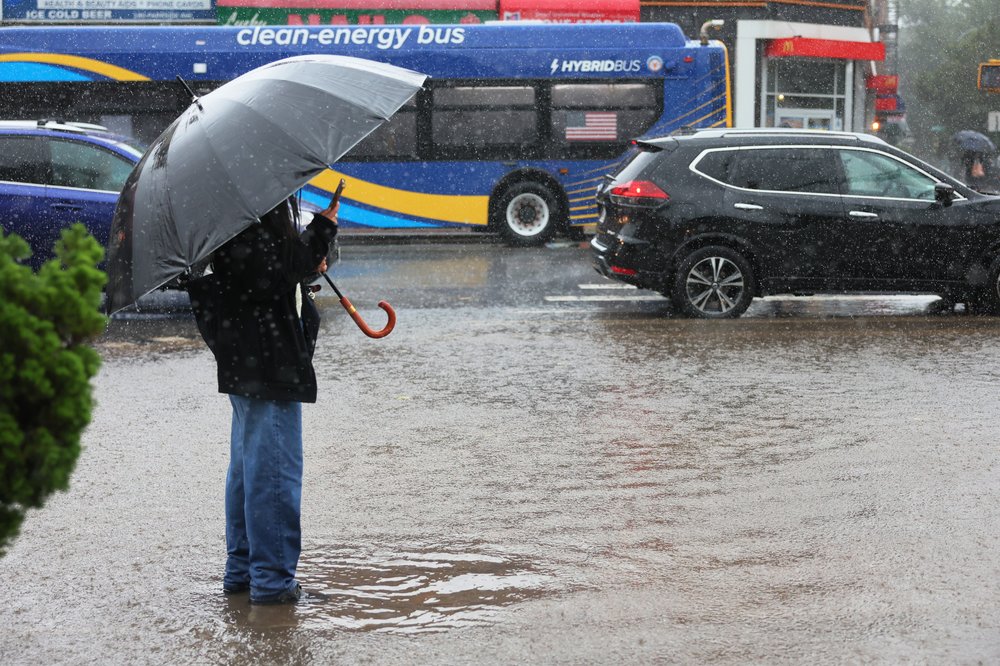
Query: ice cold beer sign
column 107, row 11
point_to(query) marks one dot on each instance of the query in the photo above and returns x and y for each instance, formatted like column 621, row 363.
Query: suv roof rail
column 786, row 131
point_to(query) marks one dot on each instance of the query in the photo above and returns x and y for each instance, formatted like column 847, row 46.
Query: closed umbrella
column 236, row 153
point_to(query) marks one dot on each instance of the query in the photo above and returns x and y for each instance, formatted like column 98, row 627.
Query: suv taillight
column 638, row 193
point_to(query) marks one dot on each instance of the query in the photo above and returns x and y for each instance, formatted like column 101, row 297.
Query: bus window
column 395, row 139
column 466, row 120
column 586, row 115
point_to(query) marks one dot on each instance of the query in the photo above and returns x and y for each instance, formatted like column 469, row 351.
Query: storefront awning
column 805, row 47
column 570, row 11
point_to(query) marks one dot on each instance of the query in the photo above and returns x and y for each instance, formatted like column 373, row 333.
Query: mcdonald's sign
column 806, row 47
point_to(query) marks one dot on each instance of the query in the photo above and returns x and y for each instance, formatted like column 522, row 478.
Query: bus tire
column 528, row 213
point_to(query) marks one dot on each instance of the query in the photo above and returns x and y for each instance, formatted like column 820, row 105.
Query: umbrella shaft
column 339, row 295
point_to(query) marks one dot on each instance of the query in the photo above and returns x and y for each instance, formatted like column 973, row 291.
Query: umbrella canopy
column 236, row 153
column 969, row 141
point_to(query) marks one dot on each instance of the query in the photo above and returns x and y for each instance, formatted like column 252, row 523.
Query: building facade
column 795, row 63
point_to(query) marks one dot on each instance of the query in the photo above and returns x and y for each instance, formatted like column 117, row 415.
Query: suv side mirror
column 943, row 194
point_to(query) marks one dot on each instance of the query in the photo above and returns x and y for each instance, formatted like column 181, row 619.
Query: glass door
column 805, row 93
column 823, row 119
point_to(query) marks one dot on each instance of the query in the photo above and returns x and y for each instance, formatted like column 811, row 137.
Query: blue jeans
column 263, row 497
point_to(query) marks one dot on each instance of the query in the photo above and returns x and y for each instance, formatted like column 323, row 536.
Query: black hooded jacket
column 246, row 309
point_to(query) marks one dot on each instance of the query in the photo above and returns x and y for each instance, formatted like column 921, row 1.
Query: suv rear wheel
column 713, row 282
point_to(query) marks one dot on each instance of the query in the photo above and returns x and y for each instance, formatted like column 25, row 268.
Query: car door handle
column 67, row 206
column 746, row 206
column 862, row 213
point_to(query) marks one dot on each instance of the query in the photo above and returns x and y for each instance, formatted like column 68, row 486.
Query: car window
column 636, row 165
column 868, row 173
column 716, row 164
column 78, row 164
column 785, row 169
column 23, row 159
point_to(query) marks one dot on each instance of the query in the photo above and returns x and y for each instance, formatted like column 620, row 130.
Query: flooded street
column 539, row 467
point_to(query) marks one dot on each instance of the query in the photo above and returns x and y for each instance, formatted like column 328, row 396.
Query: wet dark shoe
column 237, row 588
column 289, row 596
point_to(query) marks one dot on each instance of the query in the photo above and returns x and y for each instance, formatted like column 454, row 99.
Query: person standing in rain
column 256, row 314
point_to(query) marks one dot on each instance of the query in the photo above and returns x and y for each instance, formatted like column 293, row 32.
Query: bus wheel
column 528, row 213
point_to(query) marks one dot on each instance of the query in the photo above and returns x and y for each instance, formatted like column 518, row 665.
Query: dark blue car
column 53, row 175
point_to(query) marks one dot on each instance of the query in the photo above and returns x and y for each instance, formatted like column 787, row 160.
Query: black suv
column 713, row 218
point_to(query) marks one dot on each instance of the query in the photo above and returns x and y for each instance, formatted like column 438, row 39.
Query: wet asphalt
column 537, row 466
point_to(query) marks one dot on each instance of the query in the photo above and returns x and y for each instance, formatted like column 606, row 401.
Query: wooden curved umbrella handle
column 365, row 328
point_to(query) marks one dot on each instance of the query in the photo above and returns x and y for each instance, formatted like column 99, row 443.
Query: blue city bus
column 513, row 131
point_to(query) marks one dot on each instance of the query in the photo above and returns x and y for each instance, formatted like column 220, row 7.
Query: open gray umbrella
column 236, row 153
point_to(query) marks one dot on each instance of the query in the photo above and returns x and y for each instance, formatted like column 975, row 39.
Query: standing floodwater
column 535, row 468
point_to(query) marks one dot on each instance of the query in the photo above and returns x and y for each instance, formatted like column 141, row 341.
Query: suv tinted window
column 636, row 165
column 23, row 159
column 868, row 173
column 716, row 164
column 78, row 164
column 798, row 169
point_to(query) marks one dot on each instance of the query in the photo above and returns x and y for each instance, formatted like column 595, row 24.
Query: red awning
column 570, row 11
column 805, row 47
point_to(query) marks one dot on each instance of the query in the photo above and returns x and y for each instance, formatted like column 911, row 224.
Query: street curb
column 407, row 237
column 352, row 237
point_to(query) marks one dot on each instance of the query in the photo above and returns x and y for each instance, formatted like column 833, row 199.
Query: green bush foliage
column 46, row 318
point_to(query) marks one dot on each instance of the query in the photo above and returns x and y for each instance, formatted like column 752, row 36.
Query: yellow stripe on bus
column 76, row 62
column 462, row 209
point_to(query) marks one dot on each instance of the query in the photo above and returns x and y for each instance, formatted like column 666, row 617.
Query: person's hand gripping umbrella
column 344, row 301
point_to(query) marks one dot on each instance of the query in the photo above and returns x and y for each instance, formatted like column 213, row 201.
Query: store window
column 806, row 93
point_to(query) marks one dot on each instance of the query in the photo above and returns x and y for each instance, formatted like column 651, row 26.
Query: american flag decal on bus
column 592, row 126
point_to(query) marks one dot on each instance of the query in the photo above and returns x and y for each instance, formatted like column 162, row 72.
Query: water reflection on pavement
column 407, row 592
column 521, row 480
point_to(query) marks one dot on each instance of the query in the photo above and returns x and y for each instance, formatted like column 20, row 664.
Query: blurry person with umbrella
column 216, row 186
column 977, row 154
